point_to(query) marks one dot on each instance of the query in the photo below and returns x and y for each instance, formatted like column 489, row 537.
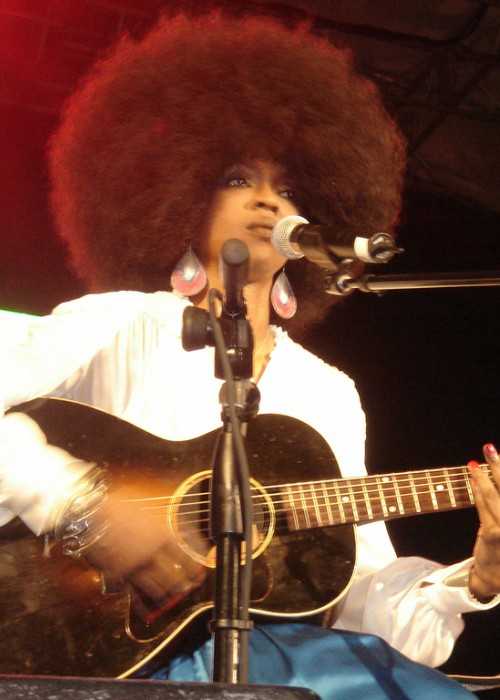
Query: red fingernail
column 490, row 450
column 473, row 464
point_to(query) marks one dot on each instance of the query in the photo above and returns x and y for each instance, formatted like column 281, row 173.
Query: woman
column 206, row 130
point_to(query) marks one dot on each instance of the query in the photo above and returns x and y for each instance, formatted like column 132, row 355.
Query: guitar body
column 55, row 617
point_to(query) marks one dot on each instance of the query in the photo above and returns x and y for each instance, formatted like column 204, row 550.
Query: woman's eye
column 287, row 193
column 236, row 181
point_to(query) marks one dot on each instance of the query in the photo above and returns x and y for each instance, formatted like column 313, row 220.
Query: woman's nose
column 267, row 204
column 266, row 198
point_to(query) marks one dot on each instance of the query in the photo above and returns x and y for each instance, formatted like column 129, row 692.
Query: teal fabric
column 336, row 665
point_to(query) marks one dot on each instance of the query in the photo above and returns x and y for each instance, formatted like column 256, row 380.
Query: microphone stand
column 344, row 274
column 230, row 494
column 231, row 624
column 344, row 280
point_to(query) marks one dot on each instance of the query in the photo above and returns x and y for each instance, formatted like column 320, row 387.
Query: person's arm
column 47, row 487
column 416, row 605
column 484, row 579
column 36, row 356
column 36, row 479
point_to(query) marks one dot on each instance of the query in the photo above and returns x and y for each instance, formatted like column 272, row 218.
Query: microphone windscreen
column 282, row 233
column 235, row 252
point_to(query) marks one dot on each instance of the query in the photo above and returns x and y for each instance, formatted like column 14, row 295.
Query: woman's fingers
column 485, row 488
column 493, row 459
column 480, row 485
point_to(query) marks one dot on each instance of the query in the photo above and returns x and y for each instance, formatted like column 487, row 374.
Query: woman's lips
column 261, row 227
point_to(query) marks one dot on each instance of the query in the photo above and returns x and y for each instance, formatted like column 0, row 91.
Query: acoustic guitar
column 57, row 617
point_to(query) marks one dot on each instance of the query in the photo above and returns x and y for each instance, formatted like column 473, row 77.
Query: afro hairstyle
column 144, row 140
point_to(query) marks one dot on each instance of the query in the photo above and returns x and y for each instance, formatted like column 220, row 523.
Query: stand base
column 59, row 688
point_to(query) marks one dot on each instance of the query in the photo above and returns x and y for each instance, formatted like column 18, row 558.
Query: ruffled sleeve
column 37, row 357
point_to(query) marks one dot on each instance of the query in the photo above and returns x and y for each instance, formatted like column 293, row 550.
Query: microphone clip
column 197, row 331
column 338, row 282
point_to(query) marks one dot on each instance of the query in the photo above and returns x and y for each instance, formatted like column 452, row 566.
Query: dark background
column 425, row 362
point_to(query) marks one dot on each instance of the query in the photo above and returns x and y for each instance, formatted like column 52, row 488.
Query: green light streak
column 10, row 314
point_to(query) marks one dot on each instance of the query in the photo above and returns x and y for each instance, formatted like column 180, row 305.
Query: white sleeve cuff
column 449, row 593
column 36, row 478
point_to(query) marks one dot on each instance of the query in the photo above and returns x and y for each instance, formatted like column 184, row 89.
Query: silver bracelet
column 76, row 525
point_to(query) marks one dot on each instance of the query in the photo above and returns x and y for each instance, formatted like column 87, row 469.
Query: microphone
column 234, row 262
column 295, row 237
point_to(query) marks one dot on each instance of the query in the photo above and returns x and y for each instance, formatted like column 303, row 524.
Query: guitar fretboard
column 378, row 497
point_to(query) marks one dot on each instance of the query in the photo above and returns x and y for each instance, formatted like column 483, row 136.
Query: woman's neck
column 258, row 313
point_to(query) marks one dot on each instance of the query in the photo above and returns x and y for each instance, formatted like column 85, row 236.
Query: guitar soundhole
column 189, row 518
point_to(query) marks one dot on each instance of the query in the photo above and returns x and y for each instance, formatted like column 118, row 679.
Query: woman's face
column 249, row 201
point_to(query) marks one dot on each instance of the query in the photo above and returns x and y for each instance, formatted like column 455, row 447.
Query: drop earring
column 188, row 277
column 283, row 299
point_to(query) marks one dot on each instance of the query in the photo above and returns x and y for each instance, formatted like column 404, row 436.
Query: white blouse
column 122, row 353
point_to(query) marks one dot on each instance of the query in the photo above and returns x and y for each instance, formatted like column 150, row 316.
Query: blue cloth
column 334, row 664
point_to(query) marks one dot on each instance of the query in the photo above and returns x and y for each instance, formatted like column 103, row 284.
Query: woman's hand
column 484, row 579
column 141, row 550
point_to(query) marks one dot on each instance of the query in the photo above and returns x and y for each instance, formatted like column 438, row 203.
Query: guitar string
column 334, row 490
column 310, row 496
column 315, row 521
column 315, row 511
column 398, row 476
column 381, row 481
column 341, row 500
column 312, row 504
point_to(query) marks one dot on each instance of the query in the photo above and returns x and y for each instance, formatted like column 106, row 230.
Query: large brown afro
column 143, row 142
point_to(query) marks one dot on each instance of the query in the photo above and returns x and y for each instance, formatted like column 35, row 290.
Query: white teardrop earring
column 188, row 277
column 283, row 299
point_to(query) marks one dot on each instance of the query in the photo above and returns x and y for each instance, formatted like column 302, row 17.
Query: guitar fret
column 352, row 500
column 398, row 495
column 293, row 508
column 387, row 481
column 317, row 511
column 382, row 497
column 438, row 486
column 450, row 489
column 368, row 504
column 418, row 507
column 327, row 504
column 431, row 490
column 442, row 488
column 469, row 490
column 305, row 509
column 339, row 502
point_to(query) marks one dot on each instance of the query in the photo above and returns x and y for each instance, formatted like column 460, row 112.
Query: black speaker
column 57, row 688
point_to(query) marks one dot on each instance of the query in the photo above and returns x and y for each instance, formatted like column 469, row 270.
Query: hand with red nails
column 484, row 579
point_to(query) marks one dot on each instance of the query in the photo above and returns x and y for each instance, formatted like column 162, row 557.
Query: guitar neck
column 379, row 497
